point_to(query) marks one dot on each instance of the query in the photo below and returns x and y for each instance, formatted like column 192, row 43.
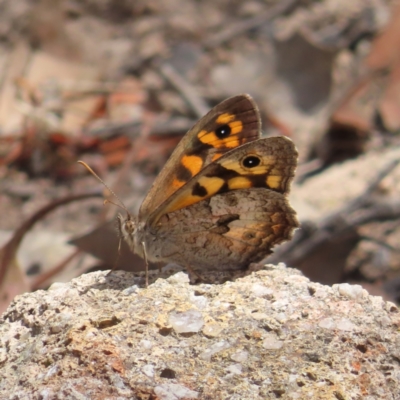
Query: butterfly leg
column 146, row 263
column 114, row 267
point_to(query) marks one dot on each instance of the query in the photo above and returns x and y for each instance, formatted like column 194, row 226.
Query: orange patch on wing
column 192, row 164
column 176, row 183
column 206, row 137
column 230, row 143
column 274, row 181
column 239, row 182
column 225, row 118
column 186, row 198
column 212, row 184
column 216, row 156
column 236, row 127
column 182, row 201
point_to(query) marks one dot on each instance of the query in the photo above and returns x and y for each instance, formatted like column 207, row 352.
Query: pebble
column 186, row 322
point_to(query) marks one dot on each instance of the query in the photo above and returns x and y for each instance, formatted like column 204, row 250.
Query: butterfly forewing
column 230, row 124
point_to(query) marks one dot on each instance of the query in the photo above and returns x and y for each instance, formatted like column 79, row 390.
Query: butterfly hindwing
column 267, row 163
column 231, row 230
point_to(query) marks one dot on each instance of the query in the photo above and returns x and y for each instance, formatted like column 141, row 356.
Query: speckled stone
column 271, row 334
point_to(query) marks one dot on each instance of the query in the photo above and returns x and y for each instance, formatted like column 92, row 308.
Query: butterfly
column 220, row 202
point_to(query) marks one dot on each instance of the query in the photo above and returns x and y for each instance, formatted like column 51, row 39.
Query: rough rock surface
column 272, row 334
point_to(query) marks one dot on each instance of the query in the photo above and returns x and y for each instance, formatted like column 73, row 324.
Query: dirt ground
column 117, row 84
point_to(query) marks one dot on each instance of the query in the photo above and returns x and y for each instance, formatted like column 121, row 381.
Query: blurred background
column 117, row 84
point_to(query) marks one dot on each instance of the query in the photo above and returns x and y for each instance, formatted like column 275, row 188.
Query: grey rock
column 270, row 334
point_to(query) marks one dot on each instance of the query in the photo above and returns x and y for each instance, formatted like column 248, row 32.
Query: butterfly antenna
column 121, row 205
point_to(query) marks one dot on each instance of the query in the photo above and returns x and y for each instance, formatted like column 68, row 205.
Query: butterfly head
column 127, row 227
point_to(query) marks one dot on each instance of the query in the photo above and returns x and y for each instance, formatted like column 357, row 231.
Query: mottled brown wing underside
column 266, row 163
column 230, row 230
column 230, row 124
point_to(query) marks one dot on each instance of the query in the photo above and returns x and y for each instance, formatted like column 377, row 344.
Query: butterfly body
column 220, row 202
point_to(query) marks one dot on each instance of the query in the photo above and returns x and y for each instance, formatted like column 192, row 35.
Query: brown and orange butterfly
column 220, row 202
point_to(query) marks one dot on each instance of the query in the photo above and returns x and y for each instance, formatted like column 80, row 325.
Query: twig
column 363, row 199
column 173, row 126
column 380, row 243
column 339, row 223
column 8, row 251
column 378, row 212
column 239, row 27
column 359, row 201
column 185, row 88
column 43, row 278
column 307, row 169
